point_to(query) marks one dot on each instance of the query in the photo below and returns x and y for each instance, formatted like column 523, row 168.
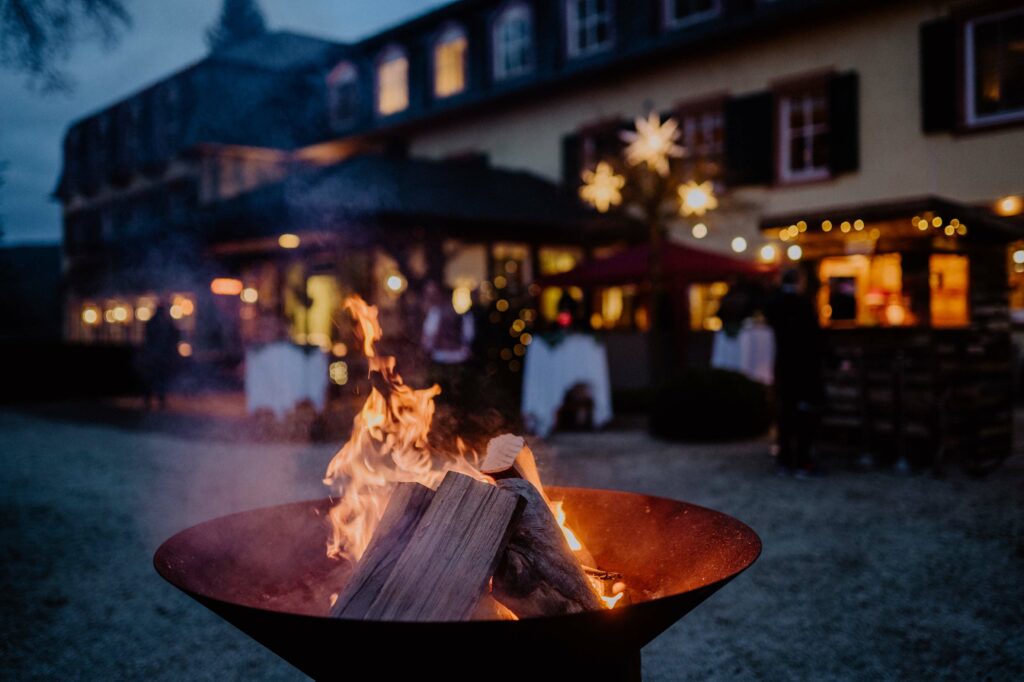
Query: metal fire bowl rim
column 162, row 563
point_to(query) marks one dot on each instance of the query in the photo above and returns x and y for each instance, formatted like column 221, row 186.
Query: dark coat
column 799, row 347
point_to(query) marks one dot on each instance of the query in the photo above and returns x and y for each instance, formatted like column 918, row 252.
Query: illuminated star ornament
column 697, row 199
column 602, row 187
column 652, row 143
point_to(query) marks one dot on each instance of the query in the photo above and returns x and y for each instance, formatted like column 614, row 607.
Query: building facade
column 829, row 131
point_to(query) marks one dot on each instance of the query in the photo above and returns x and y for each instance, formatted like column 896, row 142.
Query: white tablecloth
column 278, row 376
column 550, row 371
column 750, row 352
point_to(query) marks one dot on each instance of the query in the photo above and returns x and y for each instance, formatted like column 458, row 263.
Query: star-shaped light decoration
column 602, row 187
column 697, row 199
column 652, row 143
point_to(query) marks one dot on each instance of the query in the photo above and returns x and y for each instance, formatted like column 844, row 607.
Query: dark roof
column 377, row 190
column 980, row 220
column 280, row 51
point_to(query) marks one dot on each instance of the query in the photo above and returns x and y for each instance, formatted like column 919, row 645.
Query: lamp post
column 650, row 186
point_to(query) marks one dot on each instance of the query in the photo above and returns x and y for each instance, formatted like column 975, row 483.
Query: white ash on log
column 539, row 575
column 442, row 572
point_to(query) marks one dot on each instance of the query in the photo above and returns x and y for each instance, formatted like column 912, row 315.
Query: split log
column 442, row 572
column 490, row 608
column 406, row 507
column 539, row 575
column 508, row 456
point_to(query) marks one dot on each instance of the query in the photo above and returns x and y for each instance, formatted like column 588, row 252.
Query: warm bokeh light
column 697, row 199
column 794, row 252
column 395, row 283
column 739, row 244
column 338, row 372
column 1010, row 205
column 602, row 187
column 288, row 241
column 249, row 295
column 226, row 286
column 699, row 231
column 91, row 315
column 652, row 143
column 462, row 300
column 184, row 349
column 768, row 253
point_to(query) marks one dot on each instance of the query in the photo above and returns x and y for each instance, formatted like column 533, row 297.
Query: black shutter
column 938, row 76
column 844, row 123
column 750, row 139
column 572, row 161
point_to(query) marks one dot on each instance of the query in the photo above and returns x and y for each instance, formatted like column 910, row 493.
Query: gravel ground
column 863, row 575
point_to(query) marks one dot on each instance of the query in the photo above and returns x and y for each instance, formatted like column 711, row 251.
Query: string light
column 699, row 231
column 739, row 244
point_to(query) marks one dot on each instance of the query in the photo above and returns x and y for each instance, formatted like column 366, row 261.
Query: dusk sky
column 164, row 37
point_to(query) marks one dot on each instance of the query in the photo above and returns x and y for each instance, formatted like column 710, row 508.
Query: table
column 279, row 376
column 550, row 370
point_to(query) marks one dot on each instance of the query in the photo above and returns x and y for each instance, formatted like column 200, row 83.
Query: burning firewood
column 508, row 456
column 441, row 573
column 538, row 574
column 406, row 507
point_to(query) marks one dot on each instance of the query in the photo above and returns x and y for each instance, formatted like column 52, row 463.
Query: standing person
column 799, row 384
column 448, row 340
column 158, row 356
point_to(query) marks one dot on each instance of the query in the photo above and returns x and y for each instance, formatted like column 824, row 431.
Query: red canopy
column 681, row 263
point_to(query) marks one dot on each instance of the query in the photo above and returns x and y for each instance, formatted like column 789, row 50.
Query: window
column 702, row 138
column 343, row 94
column 994, row 68
column 392, row 81
column 450, row 62
column 512, row 36
column 679, row 13
column 862, row 290
column 588, row 25
column 803, row 134
column 949, row 283
column 705, row 300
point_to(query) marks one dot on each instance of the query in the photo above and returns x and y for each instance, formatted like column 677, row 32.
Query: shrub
column 711, row 405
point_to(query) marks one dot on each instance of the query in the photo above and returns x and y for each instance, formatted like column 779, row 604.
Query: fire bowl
column 266, row 572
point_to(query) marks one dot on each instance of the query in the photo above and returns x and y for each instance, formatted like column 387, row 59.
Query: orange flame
column 389, row 444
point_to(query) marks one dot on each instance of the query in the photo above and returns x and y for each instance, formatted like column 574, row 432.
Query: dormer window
column 681, row 13
column 343, row 95
column 392, row 81
column 450, row 62
column 512, row 36
column 588, row 26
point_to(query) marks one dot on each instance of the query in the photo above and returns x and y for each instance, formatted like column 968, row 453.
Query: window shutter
column 844, row 124
column 572, row 160
column 938, row 76
column 750, row 139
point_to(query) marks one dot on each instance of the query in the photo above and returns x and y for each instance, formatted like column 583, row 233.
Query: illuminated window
column 994, row 68
column 863, row 291
column 343, row 94
column 615, row 307
column 392, row 81
column 588, row 26
column 450, row 62
column 513, row 41
column 704, row 302
column 803, row 136
column 679, row 13
column 553, row 259
column 512, row 268
column 948, row 275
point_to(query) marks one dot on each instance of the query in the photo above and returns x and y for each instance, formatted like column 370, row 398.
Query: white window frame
column 344, row 75
column 670, row 20
column 391, row 53
column 592, row 21
column 451, row 33
column 695, row 123
column 971, row 118
column 514, row 12
column 785, row 104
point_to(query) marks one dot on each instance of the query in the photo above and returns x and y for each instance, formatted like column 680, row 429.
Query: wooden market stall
column 914, row 296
